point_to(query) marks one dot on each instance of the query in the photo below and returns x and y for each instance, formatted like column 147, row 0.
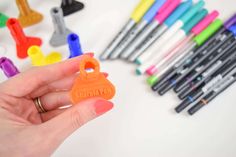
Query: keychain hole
column 89, row 67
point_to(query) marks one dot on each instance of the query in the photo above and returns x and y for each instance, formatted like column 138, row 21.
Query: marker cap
column 210, row 30
column 195, row 20
column 153, row 10
column 233, row 29
column 230, row 21
column 205, row 22
column 141, row 9
column 179, row 11
column 192, row 11
column 151, row 80
column 165, row 13
column 165, row 5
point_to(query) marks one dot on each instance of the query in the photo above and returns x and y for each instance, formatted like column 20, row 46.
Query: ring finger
column 55, row 100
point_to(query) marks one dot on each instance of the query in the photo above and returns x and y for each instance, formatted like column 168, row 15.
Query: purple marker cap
column 230, row 21
column 8, row 67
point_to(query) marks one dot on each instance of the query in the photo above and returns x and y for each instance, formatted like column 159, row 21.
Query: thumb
column 60, row 127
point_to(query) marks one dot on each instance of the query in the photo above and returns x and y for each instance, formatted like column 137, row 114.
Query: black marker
column 196, row 61
column 194, row 84
column 226, row 83
column 228, row 48
column 203, row 89
column 210, row 42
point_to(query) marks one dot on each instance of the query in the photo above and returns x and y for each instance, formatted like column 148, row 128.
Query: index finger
column 25, row 83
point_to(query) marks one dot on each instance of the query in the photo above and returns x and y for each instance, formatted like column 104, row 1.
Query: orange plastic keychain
column 91, row 84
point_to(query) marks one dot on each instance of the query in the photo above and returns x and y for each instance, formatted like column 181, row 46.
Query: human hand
column 26, row 132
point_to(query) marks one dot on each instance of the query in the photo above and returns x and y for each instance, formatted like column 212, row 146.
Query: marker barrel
column 139, row 50
column 148, row 17
column 130, row 24
column 171, row 32
column 159, row 19
column 227, row 57
column 136, row 16
column 212, row 95
column 204, row 64
column 132, row 47
column 128, row 39
column 156, row 34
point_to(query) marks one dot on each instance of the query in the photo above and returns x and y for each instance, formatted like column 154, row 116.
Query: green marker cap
column 152, row 80
column 208, row 32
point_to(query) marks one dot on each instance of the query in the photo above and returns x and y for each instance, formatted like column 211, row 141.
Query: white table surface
column 142, row 124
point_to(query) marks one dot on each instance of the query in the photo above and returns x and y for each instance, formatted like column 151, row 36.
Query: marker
column 213, row 94
column 200, row 92
column 155, row 34
column 209, row 44
column 170, row 33
column 8, row 67
column 193, row 48
column 136, row 16
column 146, row 20
column 196, row 61
column 208, row 61
column 208, row 73
column 181, row 34
column 171, row 55
column 153, row 26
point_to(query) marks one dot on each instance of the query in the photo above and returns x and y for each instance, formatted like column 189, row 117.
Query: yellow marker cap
column 36, row 56
column 38, row 59
column 53, row 57
column 141, row 9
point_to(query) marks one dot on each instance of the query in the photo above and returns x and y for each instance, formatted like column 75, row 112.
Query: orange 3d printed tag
column 91, row 84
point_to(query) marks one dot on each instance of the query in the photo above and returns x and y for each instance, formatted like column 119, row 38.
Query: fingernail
column 102, row 106
column 105, row 74
column 89, row 54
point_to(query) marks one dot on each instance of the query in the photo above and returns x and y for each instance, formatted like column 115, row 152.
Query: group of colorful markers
column 29, row 46
column 180, row 46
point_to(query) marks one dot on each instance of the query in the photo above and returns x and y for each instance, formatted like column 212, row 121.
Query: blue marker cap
column 195, row 20
column 192, row 11
column 74, row 45
column 179, row 11
column 233, row 29
column 153, row 10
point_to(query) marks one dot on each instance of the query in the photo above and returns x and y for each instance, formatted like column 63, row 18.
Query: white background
column 142, row 124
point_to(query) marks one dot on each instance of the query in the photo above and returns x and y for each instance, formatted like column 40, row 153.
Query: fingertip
column 90, row 54
column 102, row 106
column 105, row 74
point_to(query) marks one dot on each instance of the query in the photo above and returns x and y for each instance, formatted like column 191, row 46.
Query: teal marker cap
column 192, row 11
column 178, row 12
column 194, row 21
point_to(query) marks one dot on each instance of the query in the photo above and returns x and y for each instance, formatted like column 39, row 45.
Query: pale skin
column 26, row 132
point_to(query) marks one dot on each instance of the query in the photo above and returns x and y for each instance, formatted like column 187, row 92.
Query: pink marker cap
column 164, row 6
column 151, row 70
column 167, row 11
column 205, row 22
